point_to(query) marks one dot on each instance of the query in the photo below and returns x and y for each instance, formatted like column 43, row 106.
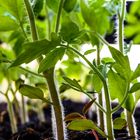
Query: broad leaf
column 32, row 92
column 107, row 60
column 122, row 65
column 87, row 106
column 73, row 83
column 136, row 73
column 84, row 124
column 73, row 116
column 119, row 123
column 7, row 23
column 35, row 49
column 130, row 103
column 117, row 85
column 51, row 59
column 134, row 88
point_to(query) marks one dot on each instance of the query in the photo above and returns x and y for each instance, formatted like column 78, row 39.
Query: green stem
column 59, row 131
column 11, row 115
column 100, row 99
column 58, row 127
column 31, row 19
column 24, row 114
column 107, row 98
column 130, row 124
column 58, row 15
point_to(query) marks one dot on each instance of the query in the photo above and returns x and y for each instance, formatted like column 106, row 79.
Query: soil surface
column 37, row 130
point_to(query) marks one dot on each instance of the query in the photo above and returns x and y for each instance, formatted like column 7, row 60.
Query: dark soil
column 37, row 130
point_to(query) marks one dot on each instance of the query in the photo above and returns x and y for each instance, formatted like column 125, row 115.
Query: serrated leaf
column 87, row 106
column 136, row 73
column 73, row 83
column 5, row 21
column 119, row 123
column 73, row 116
column 134, row 88
column 122, row 65
column 35, row 49
column 89, row 51
column 84, row 124
column 51, row 59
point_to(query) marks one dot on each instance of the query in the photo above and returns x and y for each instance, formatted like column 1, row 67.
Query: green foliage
column 135, row 88
column 119, row 123
column 132, row 29
column 51, row 59
column 122, row 65
column 32, row 92
column 37, row 48
column 84, row 124
column 69, row 5
column 73, row 116
column 136, row 73
column 53, row 4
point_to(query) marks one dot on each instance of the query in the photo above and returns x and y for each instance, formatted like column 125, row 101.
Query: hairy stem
column 107, row 97
column 100, row 99
column 49, row 75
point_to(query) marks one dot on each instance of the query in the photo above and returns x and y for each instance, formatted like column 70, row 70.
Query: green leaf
column 97, row 83
column 73, row 116
column 87, row 106
column 51, row 59
column 53, row 4
column 107, row 60
column 38, row 6
column 69, row 31
column 84, row 124
column 5, row 21
column 15, row 7
column 96, row 8
column 117, row 85
column 130, row 103
column 69, row 5
column 136, row 73
column 35, row 49
column 122, row 65
column 73, row 83
column 119, row 123
column 89, row 51
column 134, row 88
column 137, row 96
column 31, row 92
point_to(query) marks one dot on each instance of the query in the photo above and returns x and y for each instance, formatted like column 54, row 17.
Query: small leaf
column 69, row 5
column 84, row 124
column 53, row 4
column 73, row 83
column 107, row 60
column 73, row 116
column 64, row 87
column 51, row 59
column 135, row 88
column 119, row 123
column 136, row 73
column 89, row 51
column 38, row 6
column 87, row 106
column 32, row 92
